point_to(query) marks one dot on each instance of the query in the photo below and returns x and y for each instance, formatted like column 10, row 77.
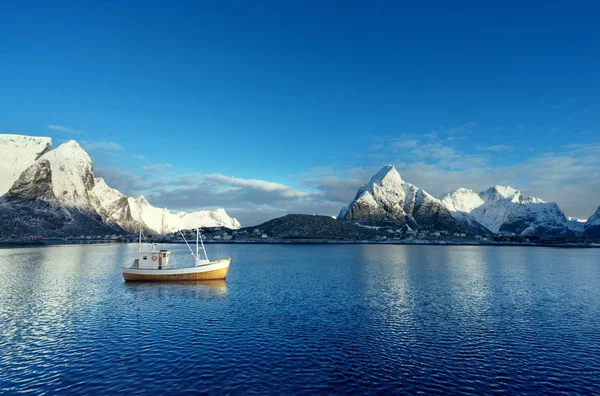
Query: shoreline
column 62, row 242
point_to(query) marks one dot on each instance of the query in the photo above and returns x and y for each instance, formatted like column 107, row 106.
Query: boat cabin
column 153, row 259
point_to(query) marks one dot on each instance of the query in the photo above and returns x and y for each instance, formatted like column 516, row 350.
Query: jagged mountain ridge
column 503, row 209
column 56, row 194
column 133, row 213
column 387, row 200
column 31, row 208
column 59, row 185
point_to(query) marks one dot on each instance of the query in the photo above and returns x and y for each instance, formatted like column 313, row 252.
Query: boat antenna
column 197, row 233
column 188, row 245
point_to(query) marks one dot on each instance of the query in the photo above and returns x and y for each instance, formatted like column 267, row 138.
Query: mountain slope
column 216, row 218
column 30, row 207
column 591, row 227
column 19, row 153
column 296, row 226
column 503, row 209
column 138, row 213
column 72, row 175
column 114, row 207
column 387, row 200
column 56, row 194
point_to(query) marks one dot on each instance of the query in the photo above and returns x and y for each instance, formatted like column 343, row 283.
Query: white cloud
column 126, row 182
column 105, row 146
column 401, row 144
column 252, row 201
column 65, row 129
column 156, row 168
column 457, row 130
column 497, row 147
column 255, row 184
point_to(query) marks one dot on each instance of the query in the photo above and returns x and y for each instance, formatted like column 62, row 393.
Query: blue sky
column 280, row 107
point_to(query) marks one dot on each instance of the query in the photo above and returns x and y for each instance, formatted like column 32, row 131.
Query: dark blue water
column 304, row 319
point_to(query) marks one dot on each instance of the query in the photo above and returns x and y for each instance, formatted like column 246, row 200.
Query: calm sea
column 298, row 319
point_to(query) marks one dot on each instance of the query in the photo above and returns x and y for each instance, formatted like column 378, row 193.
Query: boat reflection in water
column 208, row 288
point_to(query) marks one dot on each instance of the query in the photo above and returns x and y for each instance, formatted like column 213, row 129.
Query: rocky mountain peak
column 19, row 153
column 72, row 175
column 503, row 209
column 34, row 183
column 387, row 174
column 500, row 192
column 462, row 200
column 142, row 201
column 58, row 186
column 388, row 200
column 385, row 186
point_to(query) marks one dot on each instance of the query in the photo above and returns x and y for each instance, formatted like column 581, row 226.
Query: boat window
column 145, row 257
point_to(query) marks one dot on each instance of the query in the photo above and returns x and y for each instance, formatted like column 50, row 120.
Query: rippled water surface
column 304, row 319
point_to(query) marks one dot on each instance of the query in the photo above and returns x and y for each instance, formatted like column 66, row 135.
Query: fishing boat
column 152, row 265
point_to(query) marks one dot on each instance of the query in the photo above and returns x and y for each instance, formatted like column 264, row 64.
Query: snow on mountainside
column 389, row 200
column 136, row 213
column 114, row 208
column 162, row 221
column 592, row 226
column 72, row 175
column 56, row 193
column 219, row 217
column 505, row 210
column 19, row 153
column 30, row 207
column 462, row 200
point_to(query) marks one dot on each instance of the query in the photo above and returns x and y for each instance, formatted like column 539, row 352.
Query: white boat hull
column 215, row 270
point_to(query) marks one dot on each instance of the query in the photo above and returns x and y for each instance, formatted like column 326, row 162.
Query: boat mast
column 188, row 245
column 197, row 232
column 205, row 255
column 140, row 243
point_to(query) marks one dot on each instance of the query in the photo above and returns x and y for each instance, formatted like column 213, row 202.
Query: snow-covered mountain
column 389, row 200
column 592, row 226
column 18, row 153
column 462, row 200
column 55, row 193
column 72, row 175
column 505, row 210
column 31, row 207
column 135, row 213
